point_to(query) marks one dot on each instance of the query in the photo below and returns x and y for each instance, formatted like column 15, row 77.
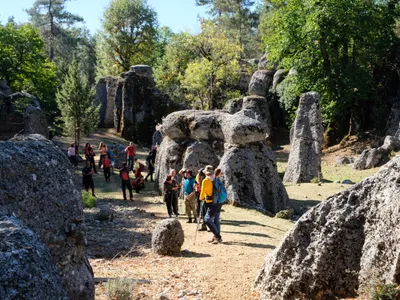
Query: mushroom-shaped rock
column 168, row 237
column 35, row 121
column 260, row 83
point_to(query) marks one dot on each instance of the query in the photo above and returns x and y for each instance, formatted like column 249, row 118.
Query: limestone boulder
column 393, row 124
column 233, row 106
column 168, row 237
column 279, row 76
column 143, row 70
column 26, row 267
column 344, row 160
column 257, row 107
column 370, row 158
column 240, row 129
column 157, row 137
column 340, row 246
column 39, row 186
column 261, row 82
column 200, row 153
column 391, row 143
column 262, row 63
column 251, row 178
column 306, row 141
column 35, row 121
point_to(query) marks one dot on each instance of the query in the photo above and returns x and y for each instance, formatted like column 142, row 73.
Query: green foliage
column 333, row 45
column 88, row 200
column 51, row 17
column 120, row 289
column 239, row 20
column 75, row 101
column 24, row 65
column 128, row 36
column 215, row 68
column 385, row 292
column 285, row 214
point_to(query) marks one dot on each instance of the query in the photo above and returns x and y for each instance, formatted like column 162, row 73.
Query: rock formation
column 261, row 82
column 168, row 237
column 340, row 246
column 306, row 141
column 132, row 105
column 371, row 158
column 32, row 121
column 40, row 187
column 26, row 267
column 234, row 142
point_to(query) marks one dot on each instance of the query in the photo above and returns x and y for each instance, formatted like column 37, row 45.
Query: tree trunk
column 51, row 50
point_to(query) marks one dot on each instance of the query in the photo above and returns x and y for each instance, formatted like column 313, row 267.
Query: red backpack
column 125, row 175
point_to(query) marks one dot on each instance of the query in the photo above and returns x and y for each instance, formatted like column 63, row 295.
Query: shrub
column 120, row 289
column 385, row 292
column 285, row 214
column 88, row 200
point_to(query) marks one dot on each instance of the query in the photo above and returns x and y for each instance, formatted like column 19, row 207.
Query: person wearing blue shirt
column 190, row 195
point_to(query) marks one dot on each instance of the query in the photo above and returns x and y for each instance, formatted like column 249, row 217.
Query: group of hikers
column 204, row 196
column 107, row 162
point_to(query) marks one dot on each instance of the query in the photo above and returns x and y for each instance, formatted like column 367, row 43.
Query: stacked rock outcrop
column 33, row 121
column 235, row 142
column 340, row 246
column 39, row 186
column 306, row 140
column 132, row 105
column 26, row 267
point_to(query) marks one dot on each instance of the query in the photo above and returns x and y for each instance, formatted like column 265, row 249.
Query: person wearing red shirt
column 131, row 152
column 107, row 168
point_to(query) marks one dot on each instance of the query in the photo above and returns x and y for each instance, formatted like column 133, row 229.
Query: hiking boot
column 131, row 199
column 202, row 229
column 189, row 221
column 217, row 241
column 212, row 240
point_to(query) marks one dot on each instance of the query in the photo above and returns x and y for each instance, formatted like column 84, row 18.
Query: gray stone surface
column 26, row 267
column 251, row 178
column 168, row 237
column 233, row 106
column 40, row 187
column 340, row 246
column 279, row 76
column 261, row 82
column 391, row 143
column 369, row 158
column 393, row 124
column 101, row 98
column 4, row 88
column 262, row 64
column 344, row 160
column 143, row 70
column 157, row 137
column 35, row 121
column 257, row 107
column 306, row 141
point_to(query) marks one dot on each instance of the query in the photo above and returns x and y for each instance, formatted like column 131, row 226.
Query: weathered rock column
column 305, row 141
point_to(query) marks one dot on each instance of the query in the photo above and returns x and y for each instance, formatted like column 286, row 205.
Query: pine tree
column 75, row 101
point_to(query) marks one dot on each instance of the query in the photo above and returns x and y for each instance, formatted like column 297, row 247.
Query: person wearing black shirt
column 125, row 181
column 87, row 179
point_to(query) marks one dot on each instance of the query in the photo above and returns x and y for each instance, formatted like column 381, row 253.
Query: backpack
column 219, row 192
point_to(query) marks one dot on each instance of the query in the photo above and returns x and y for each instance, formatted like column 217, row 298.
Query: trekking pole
column 198, row 220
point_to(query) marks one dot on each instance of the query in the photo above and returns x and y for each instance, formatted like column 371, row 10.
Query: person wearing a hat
column 211, row 207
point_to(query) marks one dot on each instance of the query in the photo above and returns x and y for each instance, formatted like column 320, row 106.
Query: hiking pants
column 107, row 173
column 151, row 172
column 169, row 201
column 203, row 213
column 190, row 207
column 212, row 218
column 130, row 162
column 175, row 199
column 126, row 184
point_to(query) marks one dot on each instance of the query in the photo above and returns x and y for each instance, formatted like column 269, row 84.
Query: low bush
column 285, row 214
column 88, row 200
column 120, row 289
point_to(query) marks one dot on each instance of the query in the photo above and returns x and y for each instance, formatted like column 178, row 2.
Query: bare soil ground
column 122, row 248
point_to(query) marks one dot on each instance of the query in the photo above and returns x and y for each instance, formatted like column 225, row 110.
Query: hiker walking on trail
column 125, row 182
column 207, row 192
column 107, row 168
column 111, row 156
column 130, row 152
column 150, row 160
column 169, row 189
column 87, row 179
column 72, row 155
column 103, row 153
column 189, row 195
column 201, row 211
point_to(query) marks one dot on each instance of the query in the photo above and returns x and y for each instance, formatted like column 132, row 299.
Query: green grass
column 88, row 200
